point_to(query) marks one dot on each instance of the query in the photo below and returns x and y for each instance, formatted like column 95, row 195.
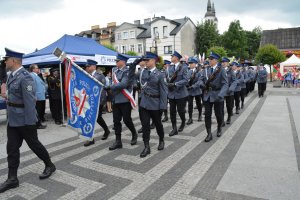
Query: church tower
column 211, row 13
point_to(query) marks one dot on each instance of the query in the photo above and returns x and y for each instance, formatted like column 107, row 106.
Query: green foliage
column 206, row 37
column 218, row 50
column 253, row 41
column 235, row 40
column 269, row 54
column 131, row 53
column 109, row 46
column 160, row 63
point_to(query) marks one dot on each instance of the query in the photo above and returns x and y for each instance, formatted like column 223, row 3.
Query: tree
column 235, row 40
column 206, row 37
column 131, row 53
column 253, row 41
column 269, row 54
column 109, row 46
column 218, row 50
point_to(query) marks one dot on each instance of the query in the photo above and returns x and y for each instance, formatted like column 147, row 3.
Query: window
column 168, row 49
column 132, row 34
column 124, row 49
column 119, row 36
column 140, row 48
column 165, row 31
column 125, row 35
column 155, row 32
column 131, row 47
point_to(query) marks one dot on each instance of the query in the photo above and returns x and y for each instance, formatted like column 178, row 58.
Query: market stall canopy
column 292, row 61
column 78, row 48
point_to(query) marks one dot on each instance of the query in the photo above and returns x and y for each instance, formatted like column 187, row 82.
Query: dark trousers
column 248, row 88
column 253, row 86
column 100, row 119
column 179, row 106
column 208, row 113
column 237, row 99
column 190, row 105
column 155, row 115
column 261, row 89
column 40, row 109
column 229, row 104
column 243, row 94
column 56, row 110
column 122, row 110
column 15, row 137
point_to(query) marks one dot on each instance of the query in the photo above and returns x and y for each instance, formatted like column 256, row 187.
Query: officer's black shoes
column 105, row 135
column 116, row 145
column 208, row 137
column 219, row 132
column 40, row 126
column 145, row 152
column 134, row 139
column 242, row 107
column 173, row 132
column 58, row 122
column 88, row 143
column 10, row 183
column 140, row 130
column 199, row 118
column 237, row 111
column 223, row 124
column 228, row 121
column 190, row 121
column 49, row 169
column 152, row 126
column 161, row 145
column 165, row 119
column 181, row 127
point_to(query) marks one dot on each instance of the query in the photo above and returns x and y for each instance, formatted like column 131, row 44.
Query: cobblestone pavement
column 257, row 157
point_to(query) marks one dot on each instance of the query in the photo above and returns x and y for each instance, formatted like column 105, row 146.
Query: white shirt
column 214, row 67
column 151, row 70
column 14, row 72
column 176, row 65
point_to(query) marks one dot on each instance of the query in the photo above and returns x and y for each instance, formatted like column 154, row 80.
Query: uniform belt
column 152, row 95
column 17, row 105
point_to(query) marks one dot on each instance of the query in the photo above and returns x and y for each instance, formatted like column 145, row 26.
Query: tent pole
column 62, row 96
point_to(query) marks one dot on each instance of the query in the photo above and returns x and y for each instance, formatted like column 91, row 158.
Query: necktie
column 212, row 70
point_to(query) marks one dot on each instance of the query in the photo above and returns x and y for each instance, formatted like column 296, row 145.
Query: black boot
column 219, row 132
column 49, row 169
column 11, row 182
column 199, row 118
column 140, row 130
column 88, row 143
column 134, row 138
column 117, row 144
column 223, row 124
column 174, row 131
column 190, row 121
column 182, row 117
column 165, row 119
column 105, row 135
column 152, row 126
column 237, row 111
column 228, row 121
column 209, row 136
column 146, row 150
column 161, row 145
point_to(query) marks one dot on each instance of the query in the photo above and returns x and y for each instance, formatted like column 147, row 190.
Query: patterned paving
column 187, row 169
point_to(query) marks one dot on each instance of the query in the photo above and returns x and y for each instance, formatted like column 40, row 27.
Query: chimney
column 111, row 24
column 148, row 20
column 95, row 27
column 137, row 22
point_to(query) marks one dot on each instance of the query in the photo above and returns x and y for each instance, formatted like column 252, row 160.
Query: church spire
column 213, row 8
column 208, row 6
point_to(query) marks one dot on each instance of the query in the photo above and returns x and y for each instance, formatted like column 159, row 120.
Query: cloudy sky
column 30, row 24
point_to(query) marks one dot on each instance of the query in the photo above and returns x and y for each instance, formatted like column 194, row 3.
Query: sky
column 30, row 24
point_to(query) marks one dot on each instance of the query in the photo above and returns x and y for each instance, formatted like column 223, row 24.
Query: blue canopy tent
column 78, row 48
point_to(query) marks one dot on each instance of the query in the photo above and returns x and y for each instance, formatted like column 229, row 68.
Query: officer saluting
column 177, row 78
column 153, row 101
column 22, row 120
column 216, row 86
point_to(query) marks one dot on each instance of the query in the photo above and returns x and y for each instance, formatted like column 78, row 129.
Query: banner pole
column 62, row 97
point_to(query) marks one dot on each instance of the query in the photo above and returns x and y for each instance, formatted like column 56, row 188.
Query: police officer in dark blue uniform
column 121, row 103
column 153, row 101
column 22, row 118
column 216, row 86
column 164, row 71
column 91, row 69
column 262, row 77
column 177, row 78
column 194, row 88
column 237, row 92
column 244, row 85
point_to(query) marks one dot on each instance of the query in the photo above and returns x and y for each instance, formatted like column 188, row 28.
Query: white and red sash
column 125, row 92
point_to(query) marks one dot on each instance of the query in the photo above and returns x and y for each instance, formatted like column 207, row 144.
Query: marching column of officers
column 177, row 84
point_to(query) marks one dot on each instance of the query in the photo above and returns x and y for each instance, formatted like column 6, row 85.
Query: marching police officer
column 216, row 86
column 121, row 89
column 237, row 92
column 177, row 78
column 22, row 118
column 153, row 101
column 262, row 77
column 164, row 71
column 194, row 89
column 244, row 85
column 91, row 69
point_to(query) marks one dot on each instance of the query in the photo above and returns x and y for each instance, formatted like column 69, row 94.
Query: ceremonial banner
column 83, row 99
